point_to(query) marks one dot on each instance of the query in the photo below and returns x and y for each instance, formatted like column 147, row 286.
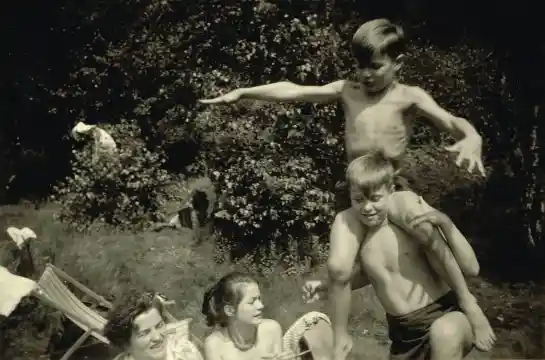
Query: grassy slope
column 169, row 263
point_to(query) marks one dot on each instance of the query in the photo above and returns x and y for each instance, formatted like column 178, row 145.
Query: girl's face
column 250, row 308
column 148, row 339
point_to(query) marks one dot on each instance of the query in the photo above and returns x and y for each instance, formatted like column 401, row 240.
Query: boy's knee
column 451, row 330
column 339, row 271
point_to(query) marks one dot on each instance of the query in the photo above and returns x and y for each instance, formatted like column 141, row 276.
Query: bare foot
column 484, row 335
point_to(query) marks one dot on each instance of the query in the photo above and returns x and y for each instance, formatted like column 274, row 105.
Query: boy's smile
column 371, row 205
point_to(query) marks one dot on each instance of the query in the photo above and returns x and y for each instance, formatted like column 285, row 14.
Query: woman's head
column 137, row 325
column 235, row 297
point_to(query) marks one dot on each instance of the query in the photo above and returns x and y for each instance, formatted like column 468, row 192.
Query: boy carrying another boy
column 379, row 116
column 417, row 275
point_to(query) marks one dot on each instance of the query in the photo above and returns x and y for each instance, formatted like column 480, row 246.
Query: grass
column 169, row 262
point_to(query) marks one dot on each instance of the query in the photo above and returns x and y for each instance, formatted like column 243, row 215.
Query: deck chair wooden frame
column 53, row 291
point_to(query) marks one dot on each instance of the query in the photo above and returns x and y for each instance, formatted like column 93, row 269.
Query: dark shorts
column 342, row 193
column 410, row 333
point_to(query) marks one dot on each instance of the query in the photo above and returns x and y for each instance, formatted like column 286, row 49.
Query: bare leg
column 345, row 239
column 451, row 337
column 484, row 338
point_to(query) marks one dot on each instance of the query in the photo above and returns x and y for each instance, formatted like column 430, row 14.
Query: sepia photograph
column 272, row 180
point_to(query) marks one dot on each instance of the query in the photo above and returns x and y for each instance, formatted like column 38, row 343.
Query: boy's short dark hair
column 378, row 36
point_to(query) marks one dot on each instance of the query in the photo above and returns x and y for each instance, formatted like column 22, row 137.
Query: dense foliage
column 147, row 62
column 277, row 165
column 129, row 189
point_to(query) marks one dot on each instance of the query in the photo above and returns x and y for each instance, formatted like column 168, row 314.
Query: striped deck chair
column 310, row 337
column 53, row 291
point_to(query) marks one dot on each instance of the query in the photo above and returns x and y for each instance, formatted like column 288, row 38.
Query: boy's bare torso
column 384, row 123
column 397, row 268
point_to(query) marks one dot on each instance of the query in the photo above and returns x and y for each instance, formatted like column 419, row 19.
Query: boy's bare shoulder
column 347, row 221
column 344, row 216
column 414, row 93
column 349, row 85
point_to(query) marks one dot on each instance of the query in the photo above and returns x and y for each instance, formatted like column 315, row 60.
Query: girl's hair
column 378, row 36
column 120, row 323
column 227, row 291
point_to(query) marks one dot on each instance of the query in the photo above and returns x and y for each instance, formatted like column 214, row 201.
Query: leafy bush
column 128, row 190
column 276, row 164
column 269, row 202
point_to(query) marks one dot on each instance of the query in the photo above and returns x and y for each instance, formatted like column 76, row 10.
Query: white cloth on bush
column 103, row 140
column 14, row 288
column 20, row 236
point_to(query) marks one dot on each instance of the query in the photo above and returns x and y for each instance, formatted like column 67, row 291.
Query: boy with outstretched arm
column 379, row 115
column 430, row 311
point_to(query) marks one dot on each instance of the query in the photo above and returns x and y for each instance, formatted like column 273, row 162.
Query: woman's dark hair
column 120, row 323
column 227, row 291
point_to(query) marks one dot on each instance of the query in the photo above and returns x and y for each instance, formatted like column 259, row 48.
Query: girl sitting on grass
column 139, row 327
column 234, row 308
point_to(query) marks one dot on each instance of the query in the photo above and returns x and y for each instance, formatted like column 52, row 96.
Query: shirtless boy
column 417, row 277
column 379, row 115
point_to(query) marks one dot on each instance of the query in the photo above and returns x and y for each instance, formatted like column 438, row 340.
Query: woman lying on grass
column 139, row 327
column 233, row 307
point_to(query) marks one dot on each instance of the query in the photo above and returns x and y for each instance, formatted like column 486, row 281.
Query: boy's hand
column 469, row 149
column 313, row 290
column 229, row 98
column 485, row 337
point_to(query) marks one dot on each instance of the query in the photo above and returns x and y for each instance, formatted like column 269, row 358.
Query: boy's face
column 371, row 205
column 377, row 73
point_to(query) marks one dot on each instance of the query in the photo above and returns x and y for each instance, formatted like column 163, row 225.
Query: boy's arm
column 406, row 206
column 469, row 141
column 283, row 91
column 460, row 247
column 359, row 277
column 412, row 213
column 457, row 127
column 437, row 248
column 358, row 280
